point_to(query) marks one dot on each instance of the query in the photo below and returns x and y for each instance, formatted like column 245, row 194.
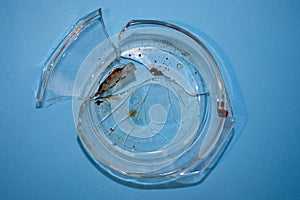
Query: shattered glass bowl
column 150, row 103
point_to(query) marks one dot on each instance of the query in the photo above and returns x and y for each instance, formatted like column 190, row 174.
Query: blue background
column 40, row 157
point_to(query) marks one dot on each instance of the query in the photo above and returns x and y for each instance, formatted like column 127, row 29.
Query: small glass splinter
column 116, row 76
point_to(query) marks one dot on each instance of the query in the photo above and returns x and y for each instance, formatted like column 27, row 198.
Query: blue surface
column 40, row 157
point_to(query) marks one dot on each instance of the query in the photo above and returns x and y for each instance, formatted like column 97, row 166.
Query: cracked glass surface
column 148, row 102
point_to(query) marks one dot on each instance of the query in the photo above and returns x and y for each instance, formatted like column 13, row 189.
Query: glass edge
column 56, row 54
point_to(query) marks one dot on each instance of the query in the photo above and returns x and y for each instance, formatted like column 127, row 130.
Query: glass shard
column 60, row 69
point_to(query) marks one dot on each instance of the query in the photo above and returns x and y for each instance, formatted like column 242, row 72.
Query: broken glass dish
column 152, row 104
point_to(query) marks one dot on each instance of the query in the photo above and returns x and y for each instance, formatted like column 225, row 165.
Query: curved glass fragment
column 152, row 104
column 60, row 69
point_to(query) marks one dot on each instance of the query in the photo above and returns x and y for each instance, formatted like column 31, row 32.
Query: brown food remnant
column 222, row 112
column 155, row 71
column 132, row 113
column 117, row 75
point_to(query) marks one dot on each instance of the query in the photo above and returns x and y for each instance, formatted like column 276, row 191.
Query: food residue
column 132, row 113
